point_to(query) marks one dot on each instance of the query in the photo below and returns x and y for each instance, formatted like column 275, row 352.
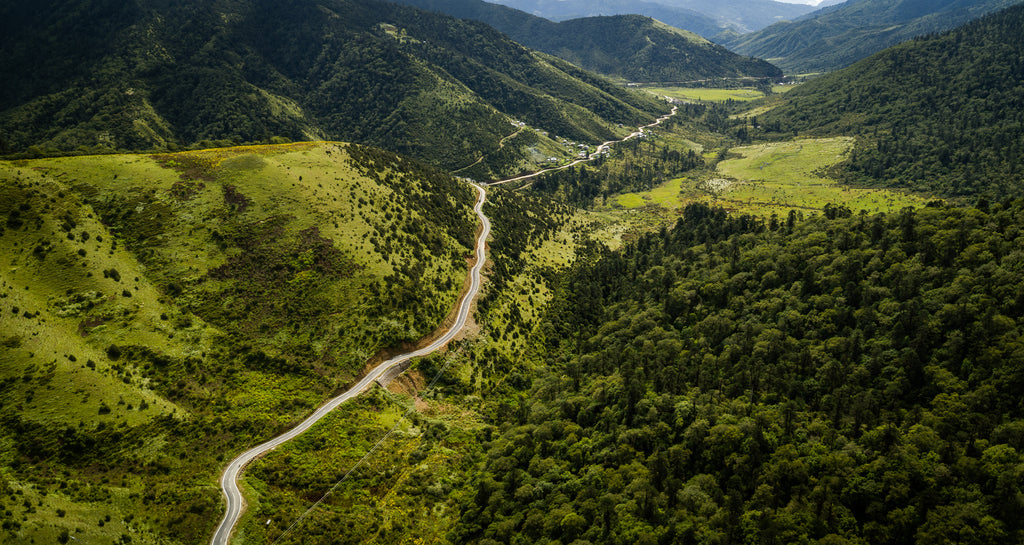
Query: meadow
column 707, row 94
column 772, row 178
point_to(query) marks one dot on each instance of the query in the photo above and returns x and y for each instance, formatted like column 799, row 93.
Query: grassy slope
column 134, row 436
column 409, row 489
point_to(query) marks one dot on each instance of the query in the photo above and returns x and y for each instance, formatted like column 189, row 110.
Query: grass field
column 796, row 162
column 770, row 179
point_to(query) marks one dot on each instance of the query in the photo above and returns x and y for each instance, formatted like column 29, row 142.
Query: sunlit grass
column 56, row 357
column 795, row 162
column 707, row 94
column 772, row 178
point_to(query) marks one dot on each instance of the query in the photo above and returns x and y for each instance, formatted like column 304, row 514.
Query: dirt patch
column 409, row 383
column 420, row 404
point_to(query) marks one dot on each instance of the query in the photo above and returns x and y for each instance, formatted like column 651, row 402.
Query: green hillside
column 942, row 114
column 838, row 36
column 631, row 47
column 846, row 379
column 162, row 312
column 835, row 358
column 145, row 75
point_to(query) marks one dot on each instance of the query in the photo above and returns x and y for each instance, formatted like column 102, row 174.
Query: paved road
column 229, row 480
column 594, row 155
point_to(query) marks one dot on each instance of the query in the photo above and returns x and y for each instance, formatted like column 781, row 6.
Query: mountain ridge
column 747, row 16
column 839, row 35
column 632, row 47
column 419, row 83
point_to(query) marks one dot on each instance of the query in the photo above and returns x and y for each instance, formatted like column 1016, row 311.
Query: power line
column 370, row 452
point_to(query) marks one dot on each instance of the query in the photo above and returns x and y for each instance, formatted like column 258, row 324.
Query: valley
column 351, row 271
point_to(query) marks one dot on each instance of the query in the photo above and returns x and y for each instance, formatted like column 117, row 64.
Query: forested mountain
column 146, row 74
column 693, row 21
column 841, row 35
column 943, row 113
column 700, row 16
column 845, row 379
column 632, row 47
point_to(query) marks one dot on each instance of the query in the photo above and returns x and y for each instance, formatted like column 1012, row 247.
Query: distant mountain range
column 942, row 114
column 705, row 17
column 90, row 76
column 837, row 36
column 633, row 47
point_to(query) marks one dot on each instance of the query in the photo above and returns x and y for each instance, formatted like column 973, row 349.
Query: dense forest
column 422, row 84
column 942, row 113
column 843, row 379
column 631, row 47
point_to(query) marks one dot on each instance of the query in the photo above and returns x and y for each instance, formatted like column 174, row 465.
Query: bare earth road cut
column 229, row 479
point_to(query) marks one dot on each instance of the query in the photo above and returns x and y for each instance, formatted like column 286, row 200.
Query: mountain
column 942, row 113
column 840, row 35
column 699, row 23
column 744, row 15
column 694, row 15
column 145, row 74
column 631, row 47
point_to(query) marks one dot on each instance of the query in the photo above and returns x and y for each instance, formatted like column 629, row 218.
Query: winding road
column 229, row 479
column 602, row 147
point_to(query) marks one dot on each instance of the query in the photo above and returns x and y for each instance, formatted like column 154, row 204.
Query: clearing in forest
column 777, row 177
column 705, row 94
